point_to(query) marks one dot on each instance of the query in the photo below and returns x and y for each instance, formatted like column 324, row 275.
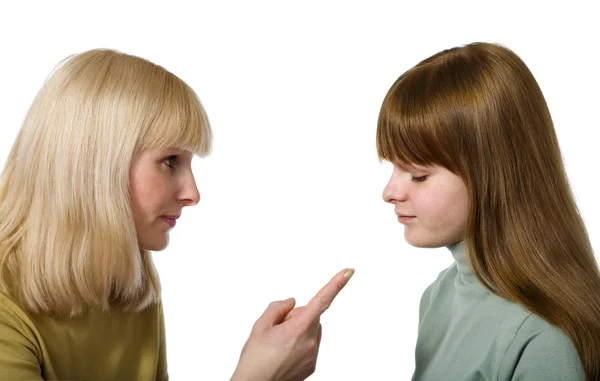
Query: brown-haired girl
column 477, row 168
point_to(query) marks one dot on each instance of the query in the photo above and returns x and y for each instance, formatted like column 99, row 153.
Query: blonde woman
column 98, row 175
column 477, row 168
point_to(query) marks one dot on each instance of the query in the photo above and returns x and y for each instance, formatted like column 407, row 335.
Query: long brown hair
column 478, row 111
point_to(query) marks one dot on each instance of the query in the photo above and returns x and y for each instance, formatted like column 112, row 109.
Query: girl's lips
column 405, row 219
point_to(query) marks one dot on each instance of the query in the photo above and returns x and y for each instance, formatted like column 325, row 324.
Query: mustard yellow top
column 96, row 346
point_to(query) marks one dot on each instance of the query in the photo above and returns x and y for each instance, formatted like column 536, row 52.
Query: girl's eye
column 169, row 161
column 419, row 179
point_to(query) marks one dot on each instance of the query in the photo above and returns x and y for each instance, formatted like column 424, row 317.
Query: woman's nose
column 190, row 193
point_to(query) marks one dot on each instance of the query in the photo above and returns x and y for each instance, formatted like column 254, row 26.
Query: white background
column 292, row 191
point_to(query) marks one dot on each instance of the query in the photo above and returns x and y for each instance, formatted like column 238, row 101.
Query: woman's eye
column 419, row 179
column 169, row 161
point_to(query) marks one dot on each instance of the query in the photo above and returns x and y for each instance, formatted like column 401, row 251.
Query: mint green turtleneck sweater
column 466, row 333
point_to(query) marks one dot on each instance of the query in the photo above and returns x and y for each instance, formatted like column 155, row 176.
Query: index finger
column 323, row 299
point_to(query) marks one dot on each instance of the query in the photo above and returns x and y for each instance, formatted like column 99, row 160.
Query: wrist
column 237, row 377
column 243, row 375
column 240, row 375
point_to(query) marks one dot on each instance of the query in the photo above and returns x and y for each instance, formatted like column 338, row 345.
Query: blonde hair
column 67, row 234
column 478, row 111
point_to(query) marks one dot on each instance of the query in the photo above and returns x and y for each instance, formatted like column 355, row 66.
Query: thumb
column 276, row 312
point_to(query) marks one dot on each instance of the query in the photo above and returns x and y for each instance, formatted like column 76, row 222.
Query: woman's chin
column 156, row 245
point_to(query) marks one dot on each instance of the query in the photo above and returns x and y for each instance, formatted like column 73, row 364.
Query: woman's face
column 432, row 204
column 161, row 185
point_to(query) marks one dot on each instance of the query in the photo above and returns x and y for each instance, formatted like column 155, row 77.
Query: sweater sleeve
column 161, row 372
column 18, row 352
column 541, row 352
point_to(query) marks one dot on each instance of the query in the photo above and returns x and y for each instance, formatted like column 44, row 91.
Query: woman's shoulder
column 10, row 309
column 18, row 334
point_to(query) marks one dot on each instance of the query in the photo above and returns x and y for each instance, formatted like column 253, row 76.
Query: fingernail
column 348, row 274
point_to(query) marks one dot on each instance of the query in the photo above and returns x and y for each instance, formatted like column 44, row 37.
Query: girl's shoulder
column 541, row 351
column 446, row 275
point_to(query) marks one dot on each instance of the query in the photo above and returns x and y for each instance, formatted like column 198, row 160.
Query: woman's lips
column 171, row 221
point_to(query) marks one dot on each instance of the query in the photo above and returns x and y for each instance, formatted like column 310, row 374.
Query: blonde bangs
column 180, row 120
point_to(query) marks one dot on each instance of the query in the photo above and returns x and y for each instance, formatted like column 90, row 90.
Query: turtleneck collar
column 459, row 253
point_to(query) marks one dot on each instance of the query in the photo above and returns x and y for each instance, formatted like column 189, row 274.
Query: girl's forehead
column 408, row 167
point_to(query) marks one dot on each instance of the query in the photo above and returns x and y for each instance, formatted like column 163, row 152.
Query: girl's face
column 432, row 204
column 161, row 184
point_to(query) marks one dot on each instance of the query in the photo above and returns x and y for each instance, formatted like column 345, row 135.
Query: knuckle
column 255, row 330
column 324, row 303
column 311, row 345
